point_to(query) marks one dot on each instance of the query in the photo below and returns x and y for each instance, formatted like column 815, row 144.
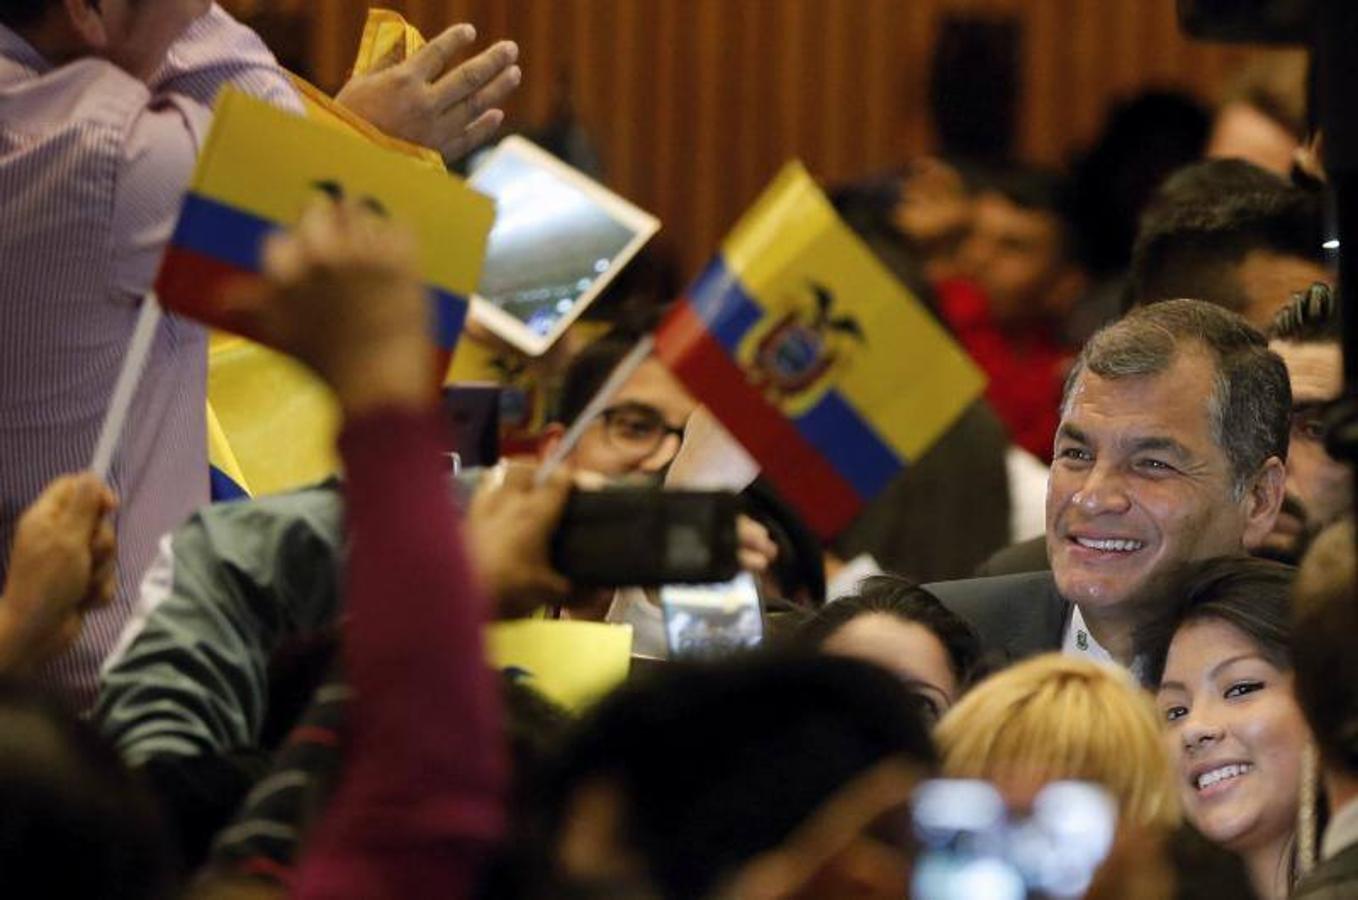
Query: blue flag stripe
column 222, row 487
column 222, row 232
column 837, row 430
column 721, row 302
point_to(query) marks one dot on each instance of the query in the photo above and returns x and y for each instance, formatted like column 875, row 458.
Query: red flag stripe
column 196, row 280
column 800, row 473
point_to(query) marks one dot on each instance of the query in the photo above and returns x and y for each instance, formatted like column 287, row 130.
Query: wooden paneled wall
column 694, row 104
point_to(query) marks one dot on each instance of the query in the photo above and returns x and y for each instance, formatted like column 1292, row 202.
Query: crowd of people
column 1105, row 651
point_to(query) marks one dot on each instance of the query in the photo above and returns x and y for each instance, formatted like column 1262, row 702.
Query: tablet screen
column 552, row 241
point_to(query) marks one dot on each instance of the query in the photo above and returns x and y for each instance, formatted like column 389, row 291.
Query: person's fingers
column 106, row 586
column 458, row 118
column 283, row 260
column 103, row 582
column 546, row 502
column 74, row 503
column 519, row 475
column 104, row 541
column 89, row 496
column 463, row 141
column 751, row 561
column 755, row 538
column 108, row 498
column 472, row 76
column 392, row 243
column 559, row 484
column 321, row 229
column 55, row 497
column 434, row 58
column 587, row 480
column 363, row 236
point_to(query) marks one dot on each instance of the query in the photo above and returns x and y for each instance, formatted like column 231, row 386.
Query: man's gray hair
column 1251, row 402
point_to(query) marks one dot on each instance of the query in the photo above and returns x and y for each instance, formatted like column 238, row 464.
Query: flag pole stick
column 596, row 405
column 125, row 388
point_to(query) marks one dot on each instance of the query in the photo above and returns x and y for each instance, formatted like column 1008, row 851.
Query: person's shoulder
column 1024, row 557
column 254, row 532
column 997, row 595
column 1334, row 878
column 1014, row 615
column 86, row 92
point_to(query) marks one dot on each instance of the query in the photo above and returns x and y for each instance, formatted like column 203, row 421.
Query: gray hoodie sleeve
column 189, row 676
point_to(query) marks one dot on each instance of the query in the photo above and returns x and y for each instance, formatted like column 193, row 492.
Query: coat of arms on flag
column 829, row 372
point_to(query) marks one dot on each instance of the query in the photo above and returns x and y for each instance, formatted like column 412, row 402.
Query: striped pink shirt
column 93, row 165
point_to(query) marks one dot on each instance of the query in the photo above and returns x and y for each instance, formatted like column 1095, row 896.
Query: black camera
column 646, row 537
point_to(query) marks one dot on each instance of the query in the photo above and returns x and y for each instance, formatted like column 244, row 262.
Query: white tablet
column 559, row 239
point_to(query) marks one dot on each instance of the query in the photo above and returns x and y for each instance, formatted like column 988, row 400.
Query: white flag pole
column 125, row 388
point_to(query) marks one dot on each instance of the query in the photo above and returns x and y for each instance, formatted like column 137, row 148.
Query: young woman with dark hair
column 1222, row 670
column 898, row 625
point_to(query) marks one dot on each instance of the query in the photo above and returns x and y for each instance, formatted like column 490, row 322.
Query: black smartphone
column 646, row 537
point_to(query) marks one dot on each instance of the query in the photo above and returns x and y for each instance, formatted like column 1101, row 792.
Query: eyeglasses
column 637, row 429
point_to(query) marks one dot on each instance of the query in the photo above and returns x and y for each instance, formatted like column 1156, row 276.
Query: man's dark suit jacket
column 1333, row 879
column 1025, row 556
column 1015, row 616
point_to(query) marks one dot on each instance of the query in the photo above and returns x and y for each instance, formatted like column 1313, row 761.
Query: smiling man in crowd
column 1173, row 437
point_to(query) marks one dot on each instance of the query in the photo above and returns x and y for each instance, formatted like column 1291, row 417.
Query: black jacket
column 1015, row 616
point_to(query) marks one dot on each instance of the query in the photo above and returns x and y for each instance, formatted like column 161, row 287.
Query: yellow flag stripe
column 267, row 163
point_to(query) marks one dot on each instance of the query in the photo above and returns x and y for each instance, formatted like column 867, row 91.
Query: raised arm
column 420, row 797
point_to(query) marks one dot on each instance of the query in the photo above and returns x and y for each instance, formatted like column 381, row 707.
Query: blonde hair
column 1055, row 717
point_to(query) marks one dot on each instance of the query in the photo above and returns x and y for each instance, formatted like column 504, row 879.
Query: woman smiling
column 1222, row 672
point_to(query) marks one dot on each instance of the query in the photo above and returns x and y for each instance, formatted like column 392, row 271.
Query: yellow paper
column 387, row 39
column 572, row 663
column 321, row 108
column 279, row 421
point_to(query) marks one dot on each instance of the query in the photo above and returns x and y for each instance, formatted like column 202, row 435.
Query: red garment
column 1026, row 369
column 421, row 798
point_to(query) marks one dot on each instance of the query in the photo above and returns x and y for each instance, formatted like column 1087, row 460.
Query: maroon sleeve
column 420, row 799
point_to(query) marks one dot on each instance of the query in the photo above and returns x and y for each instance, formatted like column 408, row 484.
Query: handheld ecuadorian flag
column 259, row 168
column 822, row 365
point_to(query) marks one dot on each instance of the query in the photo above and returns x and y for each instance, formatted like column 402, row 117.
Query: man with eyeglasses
column 637, row 435
column 640, row 431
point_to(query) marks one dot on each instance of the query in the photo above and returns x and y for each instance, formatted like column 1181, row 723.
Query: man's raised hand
column 431, row 101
